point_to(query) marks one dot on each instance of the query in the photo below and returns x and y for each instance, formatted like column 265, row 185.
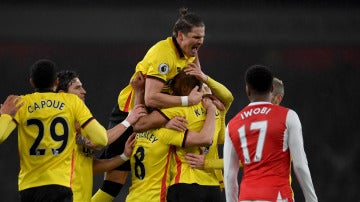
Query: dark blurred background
column 313, row 46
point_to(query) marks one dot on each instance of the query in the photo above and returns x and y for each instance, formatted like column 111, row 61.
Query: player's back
column 46, row 137
column 259, row 135
column 150, row 166
column 182, row 172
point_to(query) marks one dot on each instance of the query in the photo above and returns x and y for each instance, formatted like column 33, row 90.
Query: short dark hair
column 65, row 79
column 183, row 83
column 259, row 78
column 43, row 74
column 186, row 22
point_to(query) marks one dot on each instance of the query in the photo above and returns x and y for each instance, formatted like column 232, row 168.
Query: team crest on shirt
column 163, row 68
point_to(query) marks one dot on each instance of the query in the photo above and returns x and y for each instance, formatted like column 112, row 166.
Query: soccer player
column 160, row 64
column 151, row 157
column 7, row 111
column 264, row 137
column 85, row 164
column 278, row 93
column 46, row 136
column 199, row 160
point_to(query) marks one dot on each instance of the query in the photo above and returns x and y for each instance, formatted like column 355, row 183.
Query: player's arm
column 154, row 98
column 136, row 113
column 153, row 120
column 96, row 132
column 7, row 111
column 221, row 92
column 103, row 165
column 200, row 161
column 7, row 125
column 206, row 134
column 138, row 84
column 231, row 169
column 300, row 163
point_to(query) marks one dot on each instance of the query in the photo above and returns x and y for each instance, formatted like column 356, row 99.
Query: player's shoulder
column 163, row 45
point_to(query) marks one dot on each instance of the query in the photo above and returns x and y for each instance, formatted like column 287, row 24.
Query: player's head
column 189, row 31
column 68, row 81
column 259, row 81
column 43, row 75
column 278, row 93
column 184, row 83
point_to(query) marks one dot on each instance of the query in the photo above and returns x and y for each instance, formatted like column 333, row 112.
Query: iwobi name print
column 255, row 111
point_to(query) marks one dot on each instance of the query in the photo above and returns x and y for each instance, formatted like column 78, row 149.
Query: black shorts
column 118, row 146
column 193, row 192
column 47, row 193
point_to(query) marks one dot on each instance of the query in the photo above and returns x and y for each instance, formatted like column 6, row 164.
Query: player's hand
column 81, row 140
column 195, row 96
column 195, row 70
column 129, row 145
column 209, row 104
column 11, row 105
column 219, row 105
column 196, row 160
column 177, row 123
column 137, row 112
column 138, row 83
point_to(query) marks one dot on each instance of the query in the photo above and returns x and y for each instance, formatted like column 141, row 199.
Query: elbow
column 207, row 141
column 149, row 101
column 103, row 142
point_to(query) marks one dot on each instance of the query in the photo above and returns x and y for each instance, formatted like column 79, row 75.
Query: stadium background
column 313, row 46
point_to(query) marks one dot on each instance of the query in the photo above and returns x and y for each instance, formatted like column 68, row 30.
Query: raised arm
column 205, row 136
column 7, row 111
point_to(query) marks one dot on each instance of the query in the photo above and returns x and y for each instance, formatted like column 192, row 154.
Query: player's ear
column 248, row 93
column 32, row 83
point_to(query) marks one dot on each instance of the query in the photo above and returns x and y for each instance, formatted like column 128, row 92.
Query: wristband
column 124, row 157
column 126, row 123
column 184, row 101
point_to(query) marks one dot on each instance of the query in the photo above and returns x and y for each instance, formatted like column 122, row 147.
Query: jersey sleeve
column 171, row 137
column 226, row 97
column 94, row 130
column 159, row 62
column 231, row 169
column 300, row 164
column 6, row 126
column 221, row 92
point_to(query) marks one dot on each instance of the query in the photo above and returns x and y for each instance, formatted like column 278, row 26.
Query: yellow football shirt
column 163, row 61
column 150, row 165
column 83, row 173
column 46, row 137
column 181, row 172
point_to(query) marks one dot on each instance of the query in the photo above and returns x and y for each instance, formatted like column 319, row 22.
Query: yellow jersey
column 46, row 137
column 150, row 165
column 181, row 172
column 163, row 62
column 83, row 173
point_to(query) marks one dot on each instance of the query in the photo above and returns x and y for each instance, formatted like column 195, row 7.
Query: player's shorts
column 193, row 192
column 47, row 193
column 118, row 146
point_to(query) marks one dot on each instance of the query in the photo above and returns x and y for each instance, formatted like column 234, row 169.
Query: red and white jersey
column 263, row 137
